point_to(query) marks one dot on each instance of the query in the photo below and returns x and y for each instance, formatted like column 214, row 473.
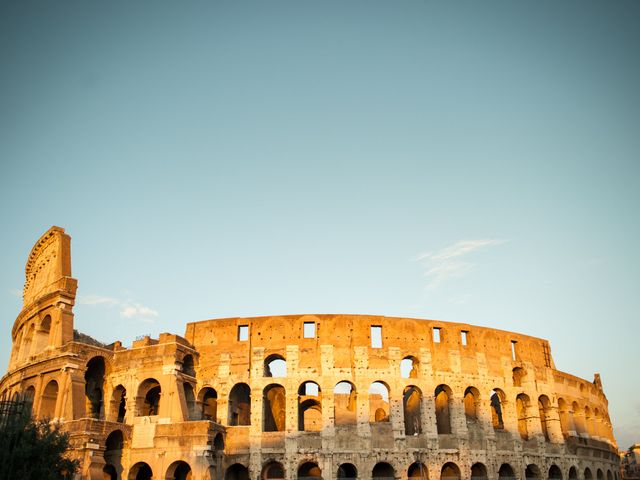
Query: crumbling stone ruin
column 303, row 396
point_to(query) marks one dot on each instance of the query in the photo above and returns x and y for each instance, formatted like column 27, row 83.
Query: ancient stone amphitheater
column 317, row 396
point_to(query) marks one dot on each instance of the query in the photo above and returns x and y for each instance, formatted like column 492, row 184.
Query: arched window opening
column 518, row 376
column 555, row 472
column 274, row 408
column 190, row 400
column 237, row 472
column 522, row 403
column 412, row 407
column 578, row 419
column 29, row 397
column 140, row 471
column 275, row 366
column 25, row 349
column 478, row 471
column 113, row 453
column 587, row 474
column 347, row 471
column 443, row 416
column 565, row 417
column 240, row 405
column 450, row 471
column 309, row 471
column 573, row 473
column 532, row 472
column 208, row 398
column 119, row 403
column 409, row 367
column 609, row 475
column 497, row 401
column 188, row 367
column 42, row 334
column 218, row 443
column 309, row 408
column 383, row 471
column 600, row 475
column 94, row 387
column 49, row 400
column 273, row 471
column 345, row 405
column 471, row 396
column 178, row 471
column 418, row 471
column 506, row 472
column 544, row 407
column 378, row 402
column 149, row 398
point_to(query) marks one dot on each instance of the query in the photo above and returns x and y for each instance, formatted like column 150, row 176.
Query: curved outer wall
column 478, row 403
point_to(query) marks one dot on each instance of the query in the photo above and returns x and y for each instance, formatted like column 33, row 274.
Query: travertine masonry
column 331, row 396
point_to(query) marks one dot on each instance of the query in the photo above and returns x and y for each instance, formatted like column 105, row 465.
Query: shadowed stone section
column 303, row 396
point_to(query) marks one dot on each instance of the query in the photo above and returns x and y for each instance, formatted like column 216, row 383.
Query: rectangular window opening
column 376, row 336
column 436, row 335
column 243, row 333
column 513, row 350
column 309, row 330
column 464, row 337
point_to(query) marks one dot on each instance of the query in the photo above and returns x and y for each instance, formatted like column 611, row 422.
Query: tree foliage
column 33, row 450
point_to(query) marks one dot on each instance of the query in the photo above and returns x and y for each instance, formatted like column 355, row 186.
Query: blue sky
column 474, row 162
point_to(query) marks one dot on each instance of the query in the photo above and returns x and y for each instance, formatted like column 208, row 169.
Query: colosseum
column 302, row 396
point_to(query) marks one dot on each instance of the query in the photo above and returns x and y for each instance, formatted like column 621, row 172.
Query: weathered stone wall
column 346, row 396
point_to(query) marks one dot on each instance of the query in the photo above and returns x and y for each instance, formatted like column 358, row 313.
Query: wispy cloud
column 451, row 261
column 15, row 292
column 128, row 308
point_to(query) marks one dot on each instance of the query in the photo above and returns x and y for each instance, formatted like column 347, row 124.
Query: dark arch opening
column 418, row 470
column 309, row 470
column 478, row 471
column 383, row 471
column 140, row 471
column 273, row 471
column 274, row 408
column 347, row 471
column 240, row 405
column 179, row 470
column 532, row 471
column 506, row 472
column 188, row 367
column 208, row 398
column 94, row 387
column 555, row 472
column 237, row 472
column 149, row 395
column 450, row 471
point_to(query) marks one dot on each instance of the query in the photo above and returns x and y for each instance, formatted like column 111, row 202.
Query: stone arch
column 587, row 474
column 599, row 474
column 443, row 396
column 188, row 366
column 555, row 472
column 25, row 349
column 450, row 471
column 409, row 367
column 114, row 445
column 309, row 470
column 239, row 405
column 94, row 387
column 208, row 398
column 49, row 400
column 565, row 417
column 273, row 471
column 518, row 376
column 479, row 471
column 344, row 403
column 522, row 405
column 506, row 472
column 383, row 471
column 309, row 407
column 590, row 422
column 149, row 393
column 573, row 473
column 119, row 403
column 190, row 400
column 412, row 408
column 43, row 334
column 418, row 470
column 109, row 472
column 378, row 402
column 609, row 475
column 29, row 397
column 497, row 403
column 179, row 470
column 578, row 419
column 544, row 410
column 218, row 443
column 532, row 472
column 274, row 408
column 347, row 471
column 275, row 366
column 237, row 471
column 471, row 401
column 140, row 471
